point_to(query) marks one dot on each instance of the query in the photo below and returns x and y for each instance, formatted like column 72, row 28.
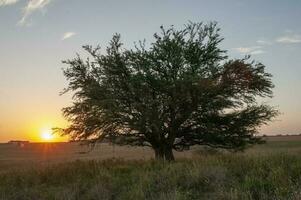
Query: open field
column 37, row 154
column 44, row 154
column 64, row 171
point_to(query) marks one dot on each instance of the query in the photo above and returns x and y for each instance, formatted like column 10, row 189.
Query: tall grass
column 214, row 176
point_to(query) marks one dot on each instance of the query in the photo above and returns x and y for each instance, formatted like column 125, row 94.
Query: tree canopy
column 180, row 90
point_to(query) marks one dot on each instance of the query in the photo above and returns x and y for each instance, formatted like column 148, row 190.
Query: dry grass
column 41, row 154
column 270, row 171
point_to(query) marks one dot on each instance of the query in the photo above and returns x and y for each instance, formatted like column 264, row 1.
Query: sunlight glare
column 47, row 135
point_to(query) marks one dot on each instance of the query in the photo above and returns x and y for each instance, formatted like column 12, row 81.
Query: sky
column 36, row 35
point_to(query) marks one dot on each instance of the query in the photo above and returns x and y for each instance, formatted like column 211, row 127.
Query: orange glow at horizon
column 28, row 120
column 46, row 134
column 41, row 131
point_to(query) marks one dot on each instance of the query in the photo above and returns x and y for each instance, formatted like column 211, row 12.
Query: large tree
column 179, row 91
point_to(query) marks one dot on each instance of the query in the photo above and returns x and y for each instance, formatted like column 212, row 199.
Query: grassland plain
column 269, row 171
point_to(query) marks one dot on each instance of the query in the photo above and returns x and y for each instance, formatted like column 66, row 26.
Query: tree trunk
column 169, row 154
column 159, row 154
column 164, row 153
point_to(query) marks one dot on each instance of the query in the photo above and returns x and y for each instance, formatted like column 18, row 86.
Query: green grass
column 208, row 176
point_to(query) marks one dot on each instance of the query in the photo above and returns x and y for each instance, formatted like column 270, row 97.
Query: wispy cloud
column 250, row 50
column 257, row 52
column 289, row 39
column 263, row 42
column 68, row 35
column 7, row 2
column 32, row 6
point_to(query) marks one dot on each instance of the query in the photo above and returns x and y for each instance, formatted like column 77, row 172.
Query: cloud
column 7, row 2
column 289, row 39
column 68, row 35
column 32, row 6
column 254, row 50
column 263, row 42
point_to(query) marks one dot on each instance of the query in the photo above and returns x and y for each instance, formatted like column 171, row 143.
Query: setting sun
column 47, row 135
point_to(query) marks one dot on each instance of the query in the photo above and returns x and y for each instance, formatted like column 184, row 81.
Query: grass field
column 66, row 171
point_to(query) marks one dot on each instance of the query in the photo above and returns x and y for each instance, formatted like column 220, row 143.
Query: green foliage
column 180, row 91
column 224, row 176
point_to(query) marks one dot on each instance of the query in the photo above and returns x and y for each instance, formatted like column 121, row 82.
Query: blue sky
column 35, row 35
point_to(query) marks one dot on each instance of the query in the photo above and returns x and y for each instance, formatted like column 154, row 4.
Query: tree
column 179, row 91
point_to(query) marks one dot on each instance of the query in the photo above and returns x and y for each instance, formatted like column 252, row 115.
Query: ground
column 70, row 171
